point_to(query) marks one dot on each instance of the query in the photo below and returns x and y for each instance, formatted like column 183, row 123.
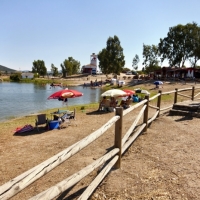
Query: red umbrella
column 66, row 93
column 129, row 92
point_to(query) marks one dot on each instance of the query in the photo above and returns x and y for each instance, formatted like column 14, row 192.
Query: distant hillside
column 4, row 69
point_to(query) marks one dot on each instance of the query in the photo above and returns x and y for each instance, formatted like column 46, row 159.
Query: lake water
column 20, row 99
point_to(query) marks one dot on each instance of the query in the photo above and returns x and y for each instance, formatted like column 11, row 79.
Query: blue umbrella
column 158, row 83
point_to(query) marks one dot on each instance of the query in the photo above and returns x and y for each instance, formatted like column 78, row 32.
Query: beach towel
column 26, row 128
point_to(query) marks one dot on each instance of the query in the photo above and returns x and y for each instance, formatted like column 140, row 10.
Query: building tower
column 92, row 67
column 93, row 59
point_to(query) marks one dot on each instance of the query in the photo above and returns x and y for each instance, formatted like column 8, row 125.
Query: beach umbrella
column 114, row 93
column 129, row 92
column 65, row 93
column 139, row 91
column 158, row 83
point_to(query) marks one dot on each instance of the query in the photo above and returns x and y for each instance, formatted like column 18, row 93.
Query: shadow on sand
column 96, row 112
column 184, row 118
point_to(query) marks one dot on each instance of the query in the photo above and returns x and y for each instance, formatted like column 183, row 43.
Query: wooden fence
column 109, row 160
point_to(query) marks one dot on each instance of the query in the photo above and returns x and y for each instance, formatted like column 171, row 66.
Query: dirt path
column 163, row 163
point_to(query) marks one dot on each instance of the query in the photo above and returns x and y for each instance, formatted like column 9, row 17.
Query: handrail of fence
column 17, row 184
column 169, row 92
column 75, row 178
column 197, row 95
column 154, row 97
column 89, row 190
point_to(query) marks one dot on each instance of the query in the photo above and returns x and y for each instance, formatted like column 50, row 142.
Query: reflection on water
column 18, row 99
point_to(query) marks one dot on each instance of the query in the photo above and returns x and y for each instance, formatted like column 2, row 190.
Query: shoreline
column 143, row 84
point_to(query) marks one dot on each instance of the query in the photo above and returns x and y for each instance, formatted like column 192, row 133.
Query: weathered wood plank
column 159, row 102
column 132, row 127
column 128, row 110
column 146, row 113
column 197, row 95
column 118, row 135
column 184, row 95
column 93, row 185
column 132, row 138
column 59, row 188
column 155, row 107
column 153, row 118
column 155, row 96
column 184, row 89
column 170, row 92
column 165, row 108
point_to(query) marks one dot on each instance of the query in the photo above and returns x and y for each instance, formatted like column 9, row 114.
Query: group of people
column 109, row 105
column 126, row 103
column 94, row 84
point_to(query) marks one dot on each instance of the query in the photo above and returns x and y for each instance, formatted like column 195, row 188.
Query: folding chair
column 73, row 114
column 65, row 119
column 41, row 120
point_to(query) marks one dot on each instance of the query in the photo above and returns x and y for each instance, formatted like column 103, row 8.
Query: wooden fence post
column 74, row 114
column 159, row 101
column 193, row 88
column 175, row 95
column 118, row 136
column 145, row 120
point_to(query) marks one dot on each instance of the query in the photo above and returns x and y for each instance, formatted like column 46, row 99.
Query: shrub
column 82, row 107
column 15, row 77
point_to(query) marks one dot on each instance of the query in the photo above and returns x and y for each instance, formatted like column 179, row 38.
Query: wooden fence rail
column 73, row 179
column 17, row 184
column 93, row 185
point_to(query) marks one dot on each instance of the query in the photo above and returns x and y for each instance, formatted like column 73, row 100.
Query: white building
column 92, row 66
column 27, row 75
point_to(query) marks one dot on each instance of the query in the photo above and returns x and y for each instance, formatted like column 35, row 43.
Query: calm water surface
column 19, row 99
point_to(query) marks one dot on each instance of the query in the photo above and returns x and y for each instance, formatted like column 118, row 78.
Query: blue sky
column 53, row 30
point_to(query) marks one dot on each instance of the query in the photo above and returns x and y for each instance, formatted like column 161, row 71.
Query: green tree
column 111, row 58
column 135, row 62
column 125, row 69
column 15, row 77
column 63, row 69
column 70, row 66
column 54, row 70
column 194, row 45
column 181, row 44
column 39, row 67
column 151, row 58
column 104, row 61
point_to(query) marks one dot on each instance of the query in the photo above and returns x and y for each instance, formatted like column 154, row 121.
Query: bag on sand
column 26, row 128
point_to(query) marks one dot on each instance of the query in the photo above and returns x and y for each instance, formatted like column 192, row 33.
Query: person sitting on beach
column 126, row 104
column 135, row 98
column 102, row 103
column 113, row 104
